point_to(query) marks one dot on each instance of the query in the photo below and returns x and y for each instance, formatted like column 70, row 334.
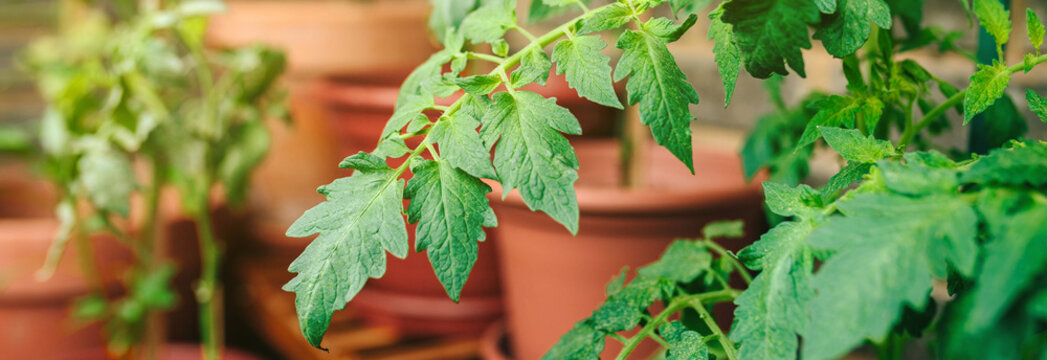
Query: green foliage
column 771, row 33
column 849, row 264
column 658, row 85
column 587, row 69
column 1037, row 104
column 451, row 208
column 1035, row 29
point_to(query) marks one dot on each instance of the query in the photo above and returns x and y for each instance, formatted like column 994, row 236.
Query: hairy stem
column 956, row 99
column 728, row 346
column 742, row 271
column 676, row 305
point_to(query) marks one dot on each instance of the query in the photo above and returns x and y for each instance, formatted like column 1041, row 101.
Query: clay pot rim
column 491, row 341
column 642, row 201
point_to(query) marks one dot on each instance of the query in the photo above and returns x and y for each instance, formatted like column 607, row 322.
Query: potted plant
column 905, row 244
column 136, row 105
column 447, row 156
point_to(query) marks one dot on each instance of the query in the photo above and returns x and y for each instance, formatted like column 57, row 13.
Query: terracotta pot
column 553, row 279
column 37, row 319
column 325, row 37
column 495, row 344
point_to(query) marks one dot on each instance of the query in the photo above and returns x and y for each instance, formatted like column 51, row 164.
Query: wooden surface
column 273, row 317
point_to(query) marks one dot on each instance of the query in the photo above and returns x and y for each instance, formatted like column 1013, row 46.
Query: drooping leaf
column 360, row 220
column 490, row 22
column 772, row 310
column 534, row 68
column 771, row 33
column 588, row 70
column 853, row 146
column 682, row 262
column 1035, row 29
column 532, row 155
column 888, row 249
column 1014, row 257
column 728, row 56
column 995, row 19
column 660, row 88
column 848, row 28
column 612, row 16
column 450, row 207
column 461, row 145
column 684, row 343
column 1037, row 104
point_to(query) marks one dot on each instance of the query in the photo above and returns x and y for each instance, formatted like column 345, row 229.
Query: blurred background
column 344, row 62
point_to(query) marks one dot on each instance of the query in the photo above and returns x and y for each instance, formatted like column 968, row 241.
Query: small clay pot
column 553, row 279
column 37, row 319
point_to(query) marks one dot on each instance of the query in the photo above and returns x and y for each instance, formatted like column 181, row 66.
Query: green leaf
column 785, row 200
column 888, row 249
column 684, row 343
column 987, row 85
column 360, row 220
column 624, row 309
column 450, row 207
column 661, row 89
column 408, row 108
column 840, row 111
column 854, row 146
column 462, row 146
column 723, row 229
column 847, row 30
column 683, row 262
column 583, row 342
column 534, row 67
column 531, row 153
column 432, row 67
column 1024, row 164
column 490, row 21
column 995, row 19
column 1015, row 256
column 688, row 6
column 917, row 177
column 448, row 14
column 1037, row 104
column 1035, row 29
column 826, row 6
column 669, row 30
column 853, row 172
column 479, row 85
column 728, row 56
column 772, row 310
column 588, row 70
column 612, row 16
column 107, row 177
column 771, row 33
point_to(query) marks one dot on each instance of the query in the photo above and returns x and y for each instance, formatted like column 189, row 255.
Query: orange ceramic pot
column 553, row 279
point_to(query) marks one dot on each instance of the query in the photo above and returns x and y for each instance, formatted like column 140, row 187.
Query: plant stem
column 675, row 305
column 484, row 57
column 742, row 271
column 956, row 99
column 208, row 290
column 728, row 346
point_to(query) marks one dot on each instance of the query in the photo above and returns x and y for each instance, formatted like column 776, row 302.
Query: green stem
column 208, row 290
column 742, row 271
column 675, row 305
column 956, row 99
column 484, row 57
column 728, row 346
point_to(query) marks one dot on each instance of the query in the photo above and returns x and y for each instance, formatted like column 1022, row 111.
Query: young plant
column 916, row 218
column 850, row 265
column 141, row 92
